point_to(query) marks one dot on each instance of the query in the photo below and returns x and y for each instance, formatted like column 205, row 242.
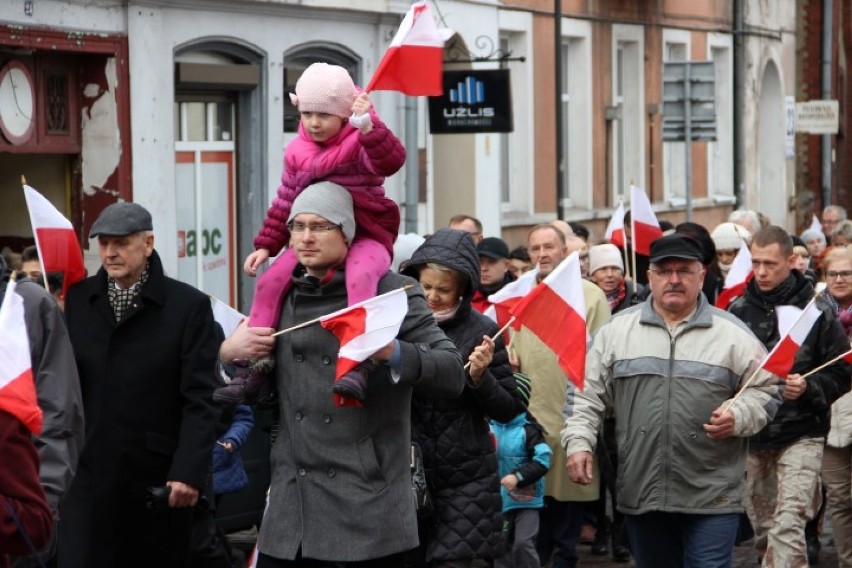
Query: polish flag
column 779, row 361
column 644, row 226
column 737, row 278
column 365, row 328
column 56, row 241
column 226, row 316
column 555, row 311
column 508, row 296
column 17, row 387
column 615, row 230
column 413, row 63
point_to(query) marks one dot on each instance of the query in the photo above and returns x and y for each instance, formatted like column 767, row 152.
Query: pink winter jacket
column 358, row 162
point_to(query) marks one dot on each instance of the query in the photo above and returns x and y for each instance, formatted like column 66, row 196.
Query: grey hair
column 740, row 214
column 844, row 228
column 841, row 211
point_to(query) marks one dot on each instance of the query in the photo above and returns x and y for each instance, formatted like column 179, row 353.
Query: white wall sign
column 790, row 129
column 818, row 117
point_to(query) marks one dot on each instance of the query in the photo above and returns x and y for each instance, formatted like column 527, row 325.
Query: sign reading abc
column 473, row 101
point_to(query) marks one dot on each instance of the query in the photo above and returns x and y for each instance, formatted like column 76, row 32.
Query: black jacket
column 147, row 385
column 808, row 416
column 458, row 449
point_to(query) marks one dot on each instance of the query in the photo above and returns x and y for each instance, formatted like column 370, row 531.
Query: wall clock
column 17, row 102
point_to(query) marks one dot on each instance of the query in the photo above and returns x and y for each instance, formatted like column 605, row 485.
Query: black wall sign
column 473, row 101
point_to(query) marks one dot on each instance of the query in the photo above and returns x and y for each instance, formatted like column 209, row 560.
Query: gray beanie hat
column 328, row 200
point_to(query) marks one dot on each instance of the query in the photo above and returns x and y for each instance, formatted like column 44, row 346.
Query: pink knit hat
column 325, row 88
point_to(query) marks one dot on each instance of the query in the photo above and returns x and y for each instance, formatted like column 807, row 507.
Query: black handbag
column 419, row 488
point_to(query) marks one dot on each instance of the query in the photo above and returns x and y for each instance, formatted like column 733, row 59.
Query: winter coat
column 57, row 387
column 661, row 387
column 147, row 384
column 20, row 491
column 341, row 477
column 229, row 474
column 809, row 415
column 550, row 391
column 359, row 162
column 480, row 301
column 521, row 450
column 458, row 451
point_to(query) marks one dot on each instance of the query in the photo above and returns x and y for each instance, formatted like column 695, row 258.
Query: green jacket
column 662, row 387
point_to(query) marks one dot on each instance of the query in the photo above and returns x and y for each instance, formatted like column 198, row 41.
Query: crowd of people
column 678, row 444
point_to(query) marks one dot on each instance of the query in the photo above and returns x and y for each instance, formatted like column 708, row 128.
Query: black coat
column 458, row 449
column 147, row 385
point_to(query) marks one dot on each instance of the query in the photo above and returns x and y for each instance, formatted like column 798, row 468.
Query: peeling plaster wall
column 769, row 19
column 101, row 146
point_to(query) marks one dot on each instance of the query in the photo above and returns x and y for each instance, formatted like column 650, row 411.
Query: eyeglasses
column 832, row 274
column 681, row 272
column 298, row 228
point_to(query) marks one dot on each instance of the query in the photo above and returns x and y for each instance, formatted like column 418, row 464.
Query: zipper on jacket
column 667, row 425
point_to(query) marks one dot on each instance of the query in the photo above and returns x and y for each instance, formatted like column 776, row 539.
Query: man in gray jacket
column 341, row 480
column 668, row 370
column 58, row 390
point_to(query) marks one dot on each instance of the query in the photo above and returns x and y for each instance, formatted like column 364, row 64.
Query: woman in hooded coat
column 458, row 449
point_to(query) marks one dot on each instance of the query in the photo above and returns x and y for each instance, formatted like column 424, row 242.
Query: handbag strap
column 24, row 534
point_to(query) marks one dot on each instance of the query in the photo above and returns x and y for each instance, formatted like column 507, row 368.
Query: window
column 628, row 118
column 577, row 120
column 720, row 154
column 676, row 47
column 296, row 61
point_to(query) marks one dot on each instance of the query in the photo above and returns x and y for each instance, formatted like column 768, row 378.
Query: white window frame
column 674, row 158
column 632, row 38
column 720, row 154
column 577, row 102
column 517, row 28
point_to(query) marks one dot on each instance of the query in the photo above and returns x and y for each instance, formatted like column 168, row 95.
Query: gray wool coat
column 341, row 481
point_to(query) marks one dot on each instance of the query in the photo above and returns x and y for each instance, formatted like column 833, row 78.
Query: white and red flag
column 508, row 296
column 737, row 279
column 57, row 244
column 413, row 63
column 365, row 327
column 555, row 311
column 17, row 386
column 644, row 227
column 615, row 230
column 226, row 316
column 780, row 360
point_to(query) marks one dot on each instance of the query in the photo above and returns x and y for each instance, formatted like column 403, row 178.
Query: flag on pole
column 615, row 230
column 645, row 228
column 56, row 242
column 508, row 296
column 413, row 63
column 17, row 386
column 737, row 278
column 225, row 315
column 780, row 360
column 366, row 327
column 815, row 224
column 555, row 311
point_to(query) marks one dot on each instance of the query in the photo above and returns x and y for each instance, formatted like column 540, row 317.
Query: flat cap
column 120, row 219
column 676, row 245
column 493, row 247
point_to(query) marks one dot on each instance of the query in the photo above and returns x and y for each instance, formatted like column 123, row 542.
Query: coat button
column 326, row 418
column 693, row 435
column 331, row 472
column 422, row 348
column 326, row 360
column 302, row 472
column 299, row 357
column 298, row 416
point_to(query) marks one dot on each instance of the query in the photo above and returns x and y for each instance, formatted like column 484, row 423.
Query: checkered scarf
column 120, row 299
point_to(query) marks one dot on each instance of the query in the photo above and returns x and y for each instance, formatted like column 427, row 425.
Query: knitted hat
column 524, row 385
column 325, row 88
column 602, row 256
column 729, row 236
column 328, row 200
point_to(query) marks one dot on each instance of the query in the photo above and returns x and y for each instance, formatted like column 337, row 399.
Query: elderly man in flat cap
column 669, row 371
column 146, row 346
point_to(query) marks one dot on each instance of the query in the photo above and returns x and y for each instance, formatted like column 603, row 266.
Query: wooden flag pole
column 495, row 336
column 317, row 320
column 824, row 365
column 731, row 402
